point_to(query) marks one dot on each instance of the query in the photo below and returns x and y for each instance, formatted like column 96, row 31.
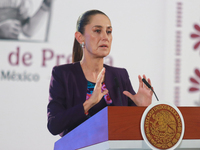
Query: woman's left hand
column 144, row 95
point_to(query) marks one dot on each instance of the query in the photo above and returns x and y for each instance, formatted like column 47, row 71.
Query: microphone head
column 146, row 83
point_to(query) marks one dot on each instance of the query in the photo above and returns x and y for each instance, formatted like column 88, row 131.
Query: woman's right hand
column 97, row 93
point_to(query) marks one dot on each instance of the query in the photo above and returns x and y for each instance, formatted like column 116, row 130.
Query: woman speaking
column 81, row 89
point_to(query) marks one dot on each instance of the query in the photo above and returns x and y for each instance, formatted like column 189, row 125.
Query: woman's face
column 98, row 36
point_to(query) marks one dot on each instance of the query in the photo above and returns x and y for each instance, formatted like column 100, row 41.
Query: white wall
column 143, row 43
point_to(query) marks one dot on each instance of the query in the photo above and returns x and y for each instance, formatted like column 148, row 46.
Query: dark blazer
column 67, row 93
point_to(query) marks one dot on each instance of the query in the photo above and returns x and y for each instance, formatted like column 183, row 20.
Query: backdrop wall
column 151, row 37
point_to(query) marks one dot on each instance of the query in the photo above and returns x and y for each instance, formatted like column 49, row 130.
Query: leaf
column 194, row 80
column 197, row 72
column 196, row 45
column 194, row 35
column 193, row 89
column 196, row 26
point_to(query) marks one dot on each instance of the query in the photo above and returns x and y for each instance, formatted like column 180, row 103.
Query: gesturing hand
column 97, row 93
column 144, row 95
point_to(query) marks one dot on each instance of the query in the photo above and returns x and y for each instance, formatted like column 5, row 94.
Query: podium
column 118, row 128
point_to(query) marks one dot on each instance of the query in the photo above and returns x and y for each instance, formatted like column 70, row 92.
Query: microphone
column 149, row 86
column 118, row 90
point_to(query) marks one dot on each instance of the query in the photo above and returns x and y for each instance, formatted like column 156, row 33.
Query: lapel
column 81, row 82
column 111, row 85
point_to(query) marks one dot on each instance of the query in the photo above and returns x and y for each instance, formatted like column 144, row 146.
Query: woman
column 81, row 89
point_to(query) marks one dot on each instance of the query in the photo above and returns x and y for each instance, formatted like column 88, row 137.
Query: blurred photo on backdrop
column 23, row 19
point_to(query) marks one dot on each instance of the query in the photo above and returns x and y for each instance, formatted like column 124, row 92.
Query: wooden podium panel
column 121, row 123
column 124, row 122
column 191, row 116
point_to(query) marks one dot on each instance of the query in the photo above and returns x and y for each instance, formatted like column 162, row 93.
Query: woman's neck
column 91, row 68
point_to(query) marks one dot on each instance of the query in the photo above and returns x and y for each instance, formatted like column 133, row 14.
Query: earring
column 83, row 45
